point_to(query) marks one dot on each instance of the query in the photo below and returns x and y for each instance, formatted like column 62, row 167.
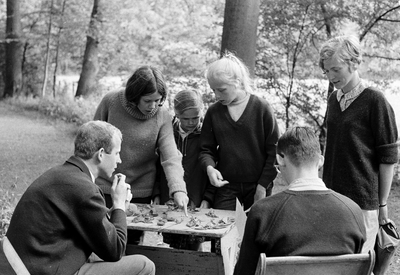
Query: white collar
column 303, row 184
column 92, row 176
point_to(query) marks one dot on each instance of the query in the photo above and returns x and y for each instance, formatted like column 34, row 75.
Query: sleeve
column 171, row 158
column 271, row 138
column 208, row 143
column 105, row 236
column 249, row 251
column 385, row 130
column 102, row 110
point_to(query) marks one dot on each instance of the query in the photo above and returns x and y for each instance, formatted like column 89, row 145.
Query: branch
column 372, row 23
column 390, row 20
column 383, row 57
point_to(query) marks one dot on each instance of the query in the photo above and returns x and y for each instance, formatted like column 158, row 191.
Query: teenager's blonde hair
column 230, row 69
column 346, row 49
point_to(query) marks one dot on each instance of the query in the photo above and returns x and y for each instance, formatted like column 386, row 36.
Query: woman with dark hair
column 146, row 127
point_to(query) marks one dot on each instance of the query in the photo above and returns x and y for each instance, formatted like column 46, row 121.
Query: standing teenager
column 238, row 138
column 361, row 147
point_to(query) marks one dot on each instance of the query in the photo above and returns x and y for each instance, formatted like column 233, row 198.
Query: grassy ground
column 31, row 143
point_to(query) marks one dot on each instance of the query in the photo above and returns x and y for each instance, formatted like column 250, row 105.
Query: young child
column 238, row 138
column 188, row 107
column 361, row 147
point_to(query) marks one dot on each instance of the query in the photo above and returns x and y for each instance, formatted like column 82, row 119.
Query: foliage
column 8, row 201
column 291, row 33
column 181, row 37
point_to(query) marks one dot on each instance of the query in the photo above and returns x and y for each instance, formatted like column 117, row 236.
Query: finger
column 115, row 182
column 185, row 209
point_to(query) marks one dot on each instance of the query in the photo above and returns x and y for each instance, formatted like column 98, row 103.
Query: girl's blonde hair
column 230, row 69
column 187, row 99
column 346, row 49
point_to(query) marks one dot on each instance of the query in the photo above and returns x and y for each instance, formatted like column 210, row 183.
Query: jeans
column 225, row 196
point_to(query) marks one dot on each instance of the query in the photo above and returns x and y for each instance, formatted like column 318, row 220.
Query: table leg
column 229, row 250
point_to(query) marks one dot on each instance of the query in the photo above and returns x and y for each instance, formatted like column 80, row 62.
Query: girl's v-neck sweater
column 242, row 150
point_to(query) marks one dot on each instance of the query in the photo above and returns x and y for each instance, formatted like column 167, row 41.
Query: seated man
column 307, row 219
column 61, row 224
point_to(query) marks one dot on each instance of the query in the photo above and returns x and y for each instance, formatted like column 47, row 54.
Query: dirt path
column 30, row 144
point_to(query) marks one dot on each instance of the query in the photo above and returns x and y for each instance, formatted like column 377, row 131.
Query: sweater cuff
column 388, row 153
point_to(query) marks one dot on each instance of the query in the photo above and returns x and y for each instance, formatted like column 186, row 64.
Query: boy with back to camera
column 361, row 147
column 307, row 219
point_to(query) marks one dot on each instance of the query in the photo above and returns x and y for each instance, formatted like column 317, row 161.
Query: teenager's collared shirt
column 345, row 99
column 303, row 184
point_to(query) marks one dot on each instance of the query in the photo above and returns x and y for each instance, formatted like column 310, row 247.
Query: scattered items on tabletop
column 148, row 213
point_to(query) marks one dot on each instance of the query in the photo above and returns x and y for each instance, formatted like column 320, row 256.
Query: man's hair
column 94, row 135
column 300, row 144
column 346, row 49
column 146, row 80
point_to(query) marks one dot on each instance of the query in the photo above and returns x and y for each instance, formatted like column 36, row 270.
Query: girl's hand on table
column 205, row 204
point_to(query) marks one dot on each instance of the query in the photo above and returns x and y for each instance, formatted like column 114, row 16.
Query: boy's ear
column 99, row 154
column 321, row 161
column 280, row 160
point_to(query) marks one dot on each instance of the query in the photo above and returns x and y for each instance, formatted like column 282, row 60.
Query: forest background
column 70, row 52
column 59, row 57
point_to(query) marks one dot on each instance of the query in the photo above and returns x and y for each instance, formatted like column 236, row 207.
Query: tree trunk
column 13, row 64
column 90, row 65
column 328, row 28
column 60, row 28
column 240, row 30
column 46, row 65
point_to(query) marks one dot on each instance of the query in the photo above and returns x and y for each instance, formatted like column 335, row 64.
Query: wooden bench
column 349, row 264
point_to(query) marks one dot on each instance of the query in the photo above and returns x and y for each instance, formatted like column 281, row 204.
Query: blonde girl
column 239, row 136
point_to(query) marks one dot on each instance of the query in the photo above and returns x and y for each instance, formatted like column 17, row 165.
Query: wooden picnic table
column 217, row 225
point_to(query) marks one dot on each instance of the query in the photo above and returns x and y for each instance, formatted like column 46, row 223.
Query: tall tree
column 90, row 66
column 240, row 30
column 46, row 64
column 13, row 66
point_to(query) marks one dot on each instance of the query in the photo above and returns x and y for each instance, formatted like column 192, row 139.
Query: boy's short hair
column 300, row 144
column 346, row 49
column 94, row 135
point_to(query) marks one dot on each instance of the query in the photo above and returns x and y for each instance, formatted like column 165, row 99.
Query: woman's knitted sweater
column 358, row 140
column 143, row 135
